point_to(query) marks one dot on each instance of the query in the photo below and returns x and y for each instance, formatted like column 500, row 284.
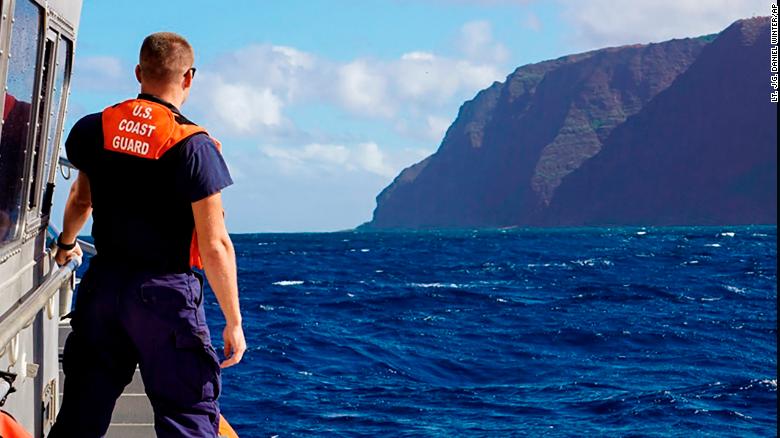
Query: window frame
column 8, row 23
column 62, row 110
column 28, row 225
column 36, row 147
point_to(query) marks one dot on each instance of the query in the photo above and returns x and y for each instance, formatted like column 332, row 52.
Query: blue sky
column 319, row 104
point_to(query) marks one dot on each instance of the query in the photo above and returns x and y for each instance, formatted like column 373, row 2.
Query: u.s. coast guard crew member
column 152, row 181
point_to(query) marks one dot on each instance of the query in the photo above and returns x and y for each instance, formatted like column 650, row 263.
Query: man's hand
column 62, row 256
column 235, row 345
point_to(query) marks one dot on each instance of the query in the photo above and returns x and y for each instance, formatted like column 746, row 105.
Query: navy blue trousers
column 124, row 319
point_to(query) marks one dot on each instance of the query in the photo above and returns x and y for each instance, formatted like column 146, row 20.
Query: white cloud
column 256, row 90
column 285, row 70
column 474, row 36
column 331, row 159
column 437, row 127
column 476, row 42
column 317, row 187
column 362, row 89
column 432, row 81
column 598, row 23
column 242, row 107
column 481, row 2
column 373, row 160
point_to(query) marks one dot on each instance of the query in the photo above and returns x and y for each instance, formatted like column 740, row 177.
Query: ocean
column 575, row 332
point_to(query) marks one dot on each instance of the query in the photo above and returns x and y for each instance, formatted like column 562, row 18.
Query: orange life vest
column 9, row 428
column 225, row 429
column 147, row 129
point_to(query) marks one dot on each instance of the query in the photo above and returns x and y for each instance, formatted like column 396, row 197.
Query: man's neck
column 172, row 96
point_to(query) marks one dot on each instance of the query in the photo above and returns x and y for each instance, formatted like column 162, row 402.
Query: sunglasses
column 191, row 70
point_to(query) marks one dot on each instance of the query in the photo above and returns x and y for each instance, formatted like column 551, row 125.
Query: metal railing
column 87, row 247
column 23, row 315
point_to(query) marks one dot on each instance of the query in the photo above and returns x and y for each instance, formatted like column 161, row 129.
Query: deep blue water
column 585, row 332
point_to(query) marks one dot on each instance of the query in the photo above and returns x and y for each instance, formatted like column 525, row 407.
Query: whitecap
column 713, row 245
column 365, row 250
column 546, row 265
column 426, row 285
column 288, row 283
column 712, row 298
column 641, row 233
column 587, row 262
column 592, row 262
column 728, row 234
column 266, row 307
column 734, row 289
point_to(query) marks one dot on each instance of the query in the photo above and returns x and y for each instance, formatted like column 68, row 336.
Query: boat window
column 20, row 83
column 56, row 111
column 43, row 105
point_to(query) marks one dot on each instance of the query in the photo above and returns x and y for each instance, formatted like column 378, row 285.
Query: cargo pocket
column 199, row 363
column 169, row 297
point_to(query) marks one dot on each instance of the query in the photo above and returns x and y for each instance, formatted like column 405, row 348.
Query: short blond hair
column 164, row 57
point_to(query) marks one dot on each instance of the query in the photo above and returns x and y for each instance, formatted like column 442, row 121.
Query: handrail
column 87, row 247
column 23, row 315
column 65, row 162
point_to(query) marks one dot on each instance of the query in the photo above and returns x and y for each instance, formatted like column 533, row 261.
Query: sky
column 319, row 104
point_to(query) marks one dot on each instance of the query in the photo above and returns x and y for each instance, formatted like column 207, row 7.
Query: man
column 149, row 177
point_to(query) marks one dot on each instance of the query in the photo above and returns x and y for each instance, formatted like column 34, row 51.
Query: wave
column 288, row 283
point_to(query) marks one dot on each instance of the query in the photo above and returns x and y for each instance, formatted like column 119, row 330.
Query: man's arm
column 77, row 210
column 219, row 262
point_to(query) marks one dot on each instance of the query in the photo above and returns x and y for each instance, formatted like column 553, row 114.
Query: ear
column 138, row 73
column 187, row 83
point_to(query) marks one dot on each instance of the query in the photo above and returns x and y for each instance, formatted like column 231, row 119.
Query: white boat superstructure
column 37, row 42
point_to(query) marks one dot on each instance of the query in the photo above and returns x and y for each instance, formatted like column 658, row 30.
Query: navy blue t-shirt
column 142, row 208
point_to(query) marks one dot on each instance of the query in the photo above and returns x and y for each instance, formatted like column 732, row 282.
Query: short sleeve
column 204, row 171
column 81, row 139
